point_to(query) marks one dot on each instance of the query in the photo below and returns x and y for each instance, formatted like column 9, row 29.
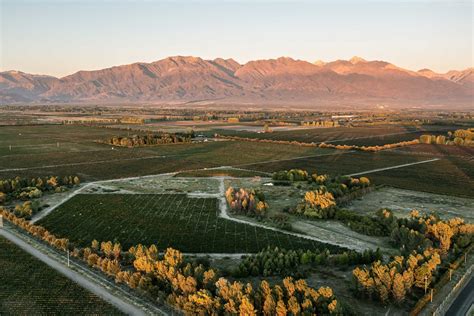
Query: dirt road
column 90, row 281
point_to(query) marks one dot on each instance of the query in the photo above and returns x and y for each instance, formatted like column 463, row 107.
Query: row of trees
column 291, row 175
column 393, row 281
column 190, row 286
column 371, row 148
column 426, row 241
column 324, row 123
column 150, row 139
column 415, row 233
column 246, row 201
column 22, row 188
column 460, row 137
column 282, row 262
column 421, row 231
column 325, row 145
column 344, row 182
column 37, row 231
column 30, row 189
column 200, row 291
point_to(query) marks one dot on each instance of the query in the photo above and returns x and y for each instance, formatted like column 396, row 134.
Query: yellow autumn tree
column 281, row 308
column 398, row 289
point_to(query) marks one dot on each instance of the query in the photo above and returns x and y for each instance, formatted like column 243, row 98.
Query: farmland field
column 362, row 136
column 452, row 176
column 438, row 150
column 168, row 220
column 446, row 176
column 30, row 287
column 40, row 156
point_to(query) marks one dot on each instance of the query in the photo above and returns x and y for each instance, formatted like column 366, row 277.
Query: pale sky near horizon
column 61, row 37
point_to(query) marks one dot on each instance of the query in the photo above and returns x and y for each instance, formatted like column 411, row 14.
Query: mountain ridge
column 283, row 80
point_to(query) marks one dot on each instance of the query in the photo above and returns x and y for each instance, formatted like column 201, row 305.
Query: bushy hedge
column 282, row 262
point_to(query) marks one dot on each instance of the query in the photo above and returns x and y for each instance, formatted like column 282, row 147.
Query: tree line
column 460, row 137
column 13, row 188
column 26, row 189
column 324, row 145
column 149, row 139
column 425, row 242
column 189, row 285
column 282, row 262
column 401, row 276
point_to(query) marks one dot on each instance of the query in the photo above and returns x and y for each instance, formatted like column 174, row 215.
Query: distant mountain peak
column 356, row 59
column 186, row 59
column 319, row 62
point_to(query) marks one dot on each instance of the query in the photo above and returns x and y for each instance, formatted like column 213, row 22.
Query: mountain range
column 284, row 80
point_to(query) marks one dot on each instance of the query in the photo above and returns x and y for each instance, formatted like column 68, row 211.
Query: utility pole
column 426, row 279
column 450, row 273
column 431, row 296
column 68, row 258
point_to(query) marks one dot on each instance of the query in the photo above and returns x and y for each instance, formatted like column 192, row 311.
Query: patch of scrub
column 401, row 202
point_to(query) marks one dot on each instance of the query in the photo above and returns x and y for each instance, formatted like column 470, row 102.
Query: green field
column 30, row 287
column 79, row 154
column 168, row 220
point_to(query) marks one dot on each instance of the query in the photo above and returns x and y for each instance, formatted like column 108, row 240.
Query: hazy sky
column 61, row 37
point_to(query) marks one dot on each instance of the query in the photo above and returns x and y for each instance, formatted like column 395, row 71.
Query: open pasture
column 30, row 287
column 168, row 220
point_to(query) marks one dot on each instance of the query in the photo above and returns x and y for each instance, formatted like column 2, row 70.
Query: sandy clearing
column 402, row 201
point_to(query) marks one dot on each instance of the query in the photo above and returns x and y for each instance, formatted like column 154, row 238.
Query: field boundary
column 393, row 167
